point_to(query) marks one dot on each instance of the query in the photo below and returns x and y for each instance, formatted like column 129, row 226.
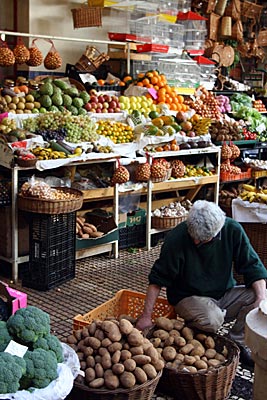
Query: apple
column 117, row 109
column 104, row 110
column 93, row 92
column 99, row 105
column 111, row 110
column 101, row 99
column 93, row 110
column 88, row 106
column 182, row 133
column 191, row 134
column 98, row 110
column 105, row 104
column 94, row 105
column 107, row 97
column 113, row 104
column 94, row 99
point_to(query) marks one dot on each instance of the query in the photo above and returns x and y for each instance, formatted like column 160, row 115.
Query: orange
column 140, row 75
column 149, row 74
column 140, row 84
column 101, row 82
column 145, row 81
column 180, row 98
column 154, row 80
column 122, row 83
column 127, row 78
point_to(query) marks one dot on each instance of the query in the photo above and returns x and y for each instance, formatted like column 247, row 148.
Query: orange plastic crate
column 124, row 302
column 226, row 176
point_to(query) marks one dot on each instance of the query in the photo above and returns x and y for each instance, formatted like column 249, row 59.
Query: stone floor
column 97, row 279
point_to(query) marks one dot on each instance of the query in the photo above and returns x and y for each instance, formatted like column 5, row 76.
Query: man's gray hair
column 205, row 220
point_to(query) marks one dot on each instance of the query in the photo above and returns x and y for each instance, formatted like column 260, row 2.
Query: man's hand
column 143, row 322
column 259, row 288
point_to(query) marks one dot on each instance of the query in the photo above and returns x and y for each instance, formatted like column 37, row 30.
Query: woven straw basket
column 91, row 59
column 213, row 384
column 85, row 17
column 139, row 392
column 40, row 206
column 166, row 222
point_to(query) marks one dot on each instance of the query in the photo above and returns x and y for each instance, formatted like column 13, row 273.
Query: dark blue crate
column 132, row 236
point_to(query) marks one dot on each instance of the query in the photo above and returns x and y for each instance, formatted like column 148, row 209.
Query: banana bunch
column 252, row 194
column 46, row 153
column 201, row 126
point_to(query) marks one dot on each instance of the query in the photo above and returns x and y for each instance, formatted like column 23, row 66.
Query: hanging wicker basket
column 262, row 37
column 91, row 59
column 86, row 17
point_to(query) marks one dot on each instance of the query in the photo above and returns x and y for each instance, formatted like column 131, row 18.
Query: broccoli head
column 41, row 369
column 12, row 369
column 4, row 336
column 28, row 324
column 50, row 343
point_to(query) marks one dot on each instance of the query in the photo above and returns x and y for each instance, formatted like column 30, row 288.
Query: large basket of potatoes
column 116, row 360
column 198, row 366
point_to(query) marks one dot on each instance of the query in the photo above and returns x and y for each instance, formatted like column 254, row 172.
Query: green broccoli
column 12, row 369
column 4, row 336
column 28, row 324
column 41, row 369
column 50, row 343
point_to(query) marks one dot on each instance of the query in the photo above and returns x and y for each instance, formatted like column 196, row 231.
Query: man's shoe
column 245, row 357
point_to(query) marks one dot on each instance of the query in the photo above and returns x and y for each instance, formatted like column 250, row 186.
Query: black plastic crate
column 132, row 236
column 158, row 238
column 52, row 250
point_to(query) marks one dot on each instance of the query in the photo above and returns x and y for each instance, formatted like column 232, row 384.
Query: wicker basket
column 124, row 302
column 91, row 59
column 139, row 392
column 26, row 163
column 40, row 206
column 85, row 17
column 213, row 384
column 166, row 222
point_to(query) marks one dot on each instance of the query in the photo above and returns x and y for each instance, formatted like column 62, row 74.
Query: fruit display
column 205, row 104
column 195, row 170
column 259, row 106
column 79, row 128
column 225, row 130
column 114, row 354
column 224, row 103
column 142, row 104
column 102, row 103
column 253, row 194
column 7, row 125
column 118, row 132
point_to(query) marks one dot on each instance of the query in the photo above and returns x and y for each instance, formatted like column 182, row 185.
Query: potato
column 160, row 333
column 83, row 365
column 112, row 382
column 78, row 334
column 106, row 361
column 125, row 326
column 92, row 328
column 140, row 375
column 98, row 358
column 129, row 365
column 150, row 371
column 155, row 341
column 169, row 353
column 88, row 351
column 212, row 362
column 198, row 350
column 97, row 383
column 102, row 351
column 186, row 349
column 99, row 371
column 80, row 355
column 135, row 338
column 138, row 350
column 108, row 372
column 141, row 359
column 114, row 347
column 174, row 333
column 125, row 355
column 99, row 334
column 180, row 357
column 116, row 357
column 153, row 354
column 158, row 365
column 90, row 361
column 188, row 368
column 164, row 323
column 118, row 368
column 187, row 333
column 179, row 324
column 85, row 332
column 106, row 342
column 224, row 351
column 89, row 374
column 201, row 337
column 126, row 346
column 112, row 331
column 93, row 342
column 210, row 353
column 200, row 364
column 81, row 345
column 220, row 357
column 169, row 341
column 179, row 341
column 189, row 360
column 127, row 380
column 209, row 343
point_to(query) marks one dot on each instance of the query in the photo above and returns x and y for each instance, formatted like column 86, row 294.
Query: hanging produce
column 7, row 58
column 53, row 59
column 21, row 53
column 36, row 57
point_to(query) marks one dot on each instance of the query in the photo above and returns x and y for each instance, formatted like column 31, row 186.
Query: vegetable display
column 29, row 326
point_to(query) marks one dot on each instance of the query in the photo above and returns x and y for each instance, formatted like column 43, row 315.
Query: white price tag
column 16, row 349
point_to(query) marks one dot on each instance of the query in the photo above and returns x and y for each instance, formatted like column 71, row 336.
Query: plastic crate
column 52, row 250
column 226, row 176
column 124, row 302
column 132, row 236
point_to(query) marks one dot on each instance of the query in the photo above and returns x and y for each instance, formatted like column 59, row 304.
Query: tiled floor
column 97, row 280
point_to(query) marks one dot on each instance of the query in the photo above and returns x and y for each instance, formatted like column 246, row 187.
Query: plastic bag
column 60, row 387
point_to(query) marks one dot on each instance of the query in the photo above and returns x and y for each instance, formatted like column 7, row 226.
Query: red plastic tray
column 121, row 37
column 156, row 48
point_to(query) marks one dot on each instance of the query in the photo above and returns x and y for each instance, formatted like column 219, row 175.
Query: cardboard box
column 15, row 299
column 137, row 217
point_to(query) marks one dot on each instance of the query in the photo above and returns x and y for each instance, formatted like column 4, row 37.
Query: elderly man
column 196, row 267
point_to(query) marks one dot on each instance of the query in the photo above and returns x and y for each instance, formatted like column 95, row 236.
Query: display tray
column 238, row 142
column 87, row 243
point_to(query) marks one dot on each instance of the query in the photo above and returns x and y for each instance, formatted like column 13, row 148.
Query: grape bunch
column 78, row 128
column 52, row 134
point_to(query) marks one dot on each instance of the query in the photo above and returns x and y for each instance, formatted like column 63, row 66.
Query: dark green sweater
column 186, row 269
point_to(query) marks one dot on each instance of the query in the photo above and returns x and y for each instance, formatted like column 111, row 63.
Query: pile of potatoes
column 182, row 349
column 114, row 354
